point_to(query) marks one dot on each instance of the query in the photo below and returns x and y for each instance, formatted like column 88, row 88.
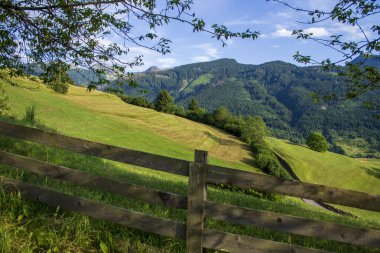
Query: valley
column 105, row 118
column 279, row 92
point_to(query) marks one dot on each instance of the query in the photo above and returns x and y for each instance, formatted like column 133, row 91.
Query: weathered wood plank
column 93, row 181
column 293, row 225
column 215, row 174
column 124, row 155
column 265, row 183
column 96, row 210
column 195, row 203
column 243, row 244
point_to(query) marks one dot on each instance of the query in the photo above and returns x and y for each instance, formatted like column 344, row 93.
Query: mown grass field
column 105, row 118
column 30, row 227
column 332, row 169
column 329, row 168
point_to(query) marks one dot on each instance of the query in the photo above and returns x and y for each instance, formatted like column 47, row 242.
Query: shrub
column 30, row 115
column 254, row 130
column 197, row 115
column 267, row 161
column 234, row 125
column 220, row 116
column 60, row 87
column 56, row 77
column 180, row 111
column 4, row 102
column 317, row 142
column 193, row 105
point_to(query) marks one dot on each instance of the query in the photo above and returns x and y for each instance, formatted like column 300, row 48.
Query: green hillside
column 280, row 92
column 329, row 168
column 332, row 169
column 30, row 227
column 105, row 118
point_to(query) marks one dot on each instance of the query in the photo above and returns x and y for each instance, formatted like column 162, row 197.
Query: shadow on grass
column 146, row 177
column 6, row 78
column 373, row 172
column 36, row 124
column 295, row 144
column 250, row 162
column 218, row 140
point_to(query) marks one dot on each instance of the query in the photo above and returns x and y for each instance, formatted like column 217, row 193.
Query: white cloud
column 201, row 58
column 275, row 46
column 208, row 50
column 317, row 31
column 350, row 32
column 104, row 42
column 205, row 52
column 167, row 62
column 282, row 32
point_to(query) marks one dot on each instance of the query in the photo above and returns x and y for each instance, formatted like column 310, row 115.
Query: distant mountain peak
column 231, row 60
column 153, row 69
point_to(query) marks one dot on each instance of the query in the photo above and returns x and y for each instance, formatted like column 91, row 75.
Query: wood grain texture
column 293, row 225
column 93, row 181
column 96, row 210
column 244, row 244
column 124, row 155
column 215, row 174
column 195, row 203
column 319, row 193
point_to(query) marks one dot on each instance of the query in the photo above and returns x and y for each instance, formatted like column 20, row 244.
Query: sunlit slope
column 105, row 118
column 330, row 168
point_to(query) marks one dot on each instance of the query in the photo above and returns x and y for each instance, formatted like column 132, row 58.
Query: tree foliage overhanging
column 354, row 14
column 59, row 35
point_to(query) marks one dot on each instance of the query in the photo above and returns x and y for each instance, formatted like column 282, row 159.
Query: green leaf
column 104, row 247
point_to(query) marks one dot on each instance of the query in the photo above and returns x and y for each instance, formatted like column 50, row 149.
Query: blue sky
column 274, row 21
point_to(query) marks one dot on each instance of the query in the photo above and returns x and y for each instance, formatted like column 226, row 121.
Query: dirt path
column 322, row 205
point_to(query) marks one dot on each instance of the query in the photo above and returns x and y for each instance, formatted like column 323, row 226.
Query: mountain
column 80, row 76
column 372, row 60
column 102, row 117
column 280, row 92
column 153, row 69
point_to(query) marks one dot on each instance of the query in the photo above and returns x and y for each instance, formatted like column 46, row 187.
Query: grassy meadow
column 31, row 227
column 105, row 118
column 332, row 169
column 329, row 168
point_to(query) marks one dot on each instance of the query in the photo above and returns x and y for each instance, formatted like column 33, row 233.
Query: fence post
column 195, row 202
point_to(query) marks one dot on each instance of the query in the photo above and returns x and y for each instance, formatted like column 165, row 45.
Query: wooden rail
column 215, row 174
column 200, row 173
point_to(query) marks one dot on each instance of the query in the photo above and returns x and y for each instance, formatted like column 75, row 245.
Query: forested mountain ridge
column 279, row 92
column 372, row 60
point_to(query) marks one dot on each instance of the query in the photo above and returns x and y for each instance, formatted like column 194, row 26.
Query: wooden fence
column 198, row 207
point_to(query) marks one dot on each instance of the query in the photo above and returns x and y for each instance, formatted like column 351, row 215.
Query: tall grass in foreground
column 31, row 227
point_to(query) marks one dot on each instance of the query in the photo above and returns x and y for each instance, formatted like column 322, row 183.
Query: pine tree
column 193, row 105
column 165, row 102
